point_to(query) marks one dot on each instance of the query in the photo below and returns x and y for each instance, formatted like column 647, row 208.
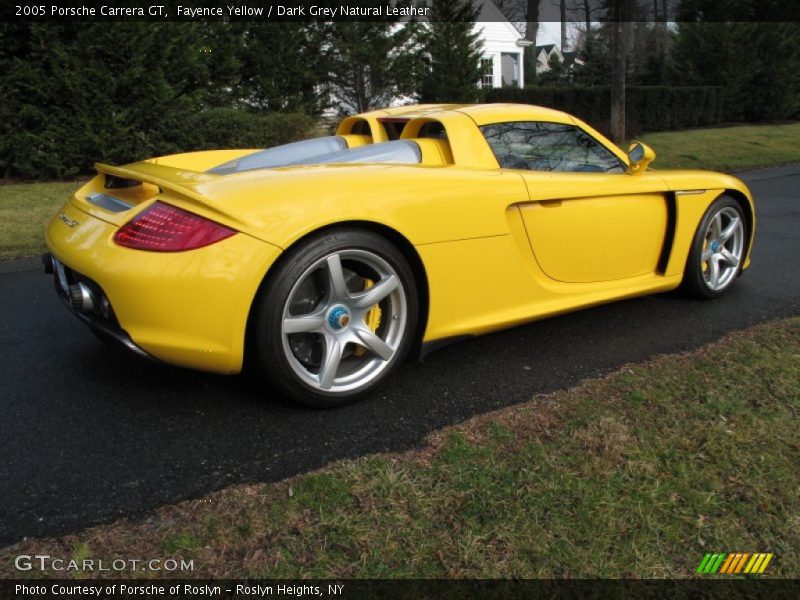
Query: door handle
column 550, row 203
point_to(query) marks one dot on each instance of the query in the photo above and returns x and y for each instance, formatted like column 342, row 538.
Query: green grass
column 25, row 209
column 638, row 474
column 726, row 148
column 179, row 542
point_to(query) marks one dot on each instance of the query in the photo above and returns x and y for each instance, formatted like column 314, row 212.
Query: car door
column 587, row 219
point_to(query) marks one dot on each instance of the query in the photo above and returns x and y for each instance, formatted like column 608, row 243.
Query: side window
column 541, row 146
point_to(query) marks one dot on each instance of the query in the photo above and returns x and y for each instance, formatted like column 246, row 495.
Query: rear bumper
column 185, row 308
column 104, row 326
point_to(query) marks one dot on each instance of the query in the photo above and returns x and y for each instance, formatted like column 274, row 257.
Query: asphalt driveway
column 89, row 433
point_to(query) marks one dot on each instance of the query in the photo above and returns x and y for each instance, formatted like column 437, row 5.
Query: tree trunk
column 587, row 15
column 662, row 32
column 531, row 29
column 657, row 32
column 532, row 21
column 619, row 40
column 361, row 94
column 563, row 8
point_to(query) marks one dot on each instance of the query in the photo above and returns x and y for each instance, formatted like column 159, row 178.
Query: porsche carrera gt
column 325, row 263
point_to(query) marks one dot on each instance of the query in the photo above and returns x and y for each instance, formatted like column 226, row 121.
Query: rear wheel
column 718, row 249
column 336, row 319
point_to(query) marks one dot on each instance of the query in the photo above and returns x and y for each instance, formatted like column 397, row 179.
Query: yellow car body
column 491, row 247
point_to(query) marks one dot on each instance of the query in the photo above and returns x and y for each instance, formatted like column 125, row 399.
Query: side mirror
column 640, row 155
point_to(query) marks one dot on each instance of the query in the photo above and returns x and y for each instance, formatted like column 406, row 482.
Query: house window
column 487, row 73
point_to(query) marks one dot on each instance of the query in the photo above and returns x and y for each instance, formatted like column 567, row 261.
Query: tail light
column 165, row 228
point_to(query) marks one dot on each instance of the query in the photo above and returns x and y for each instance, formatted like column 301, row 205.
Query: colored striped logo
column 735, row 562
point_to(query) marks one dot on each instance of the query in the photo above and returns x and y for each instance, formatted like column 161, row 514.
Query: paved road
column 89, row 433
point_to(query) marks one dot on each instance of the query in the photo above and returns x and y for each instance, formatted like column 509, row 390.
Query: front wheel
column 718, row 250
column 336, row 319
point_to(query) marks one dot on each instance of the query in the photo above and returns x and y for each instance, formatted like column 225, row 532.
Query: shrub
column 648, row 108
column 77, row 93
column 232, row 128
column 60, row 147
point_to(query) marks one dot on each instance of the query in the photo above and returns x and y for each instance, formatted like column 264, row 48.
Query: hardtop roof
column 482, row 114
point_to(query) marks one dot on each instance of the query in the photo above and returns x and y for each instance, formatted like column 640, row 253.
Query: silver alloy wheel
column 723, row 249
column 325, row 332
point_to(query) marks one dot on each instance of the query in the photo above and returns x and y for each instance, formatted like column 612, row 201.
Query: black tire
column 273, row 356
column 694, row 284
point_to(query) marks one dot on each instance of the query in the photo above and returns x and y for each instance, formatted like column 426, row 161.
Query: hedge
column 232, row 128
column 648, row 108
column 63, row 147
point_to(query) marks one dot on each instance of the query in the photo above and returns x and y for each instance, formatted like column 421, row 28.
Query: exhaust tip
column 81, row 298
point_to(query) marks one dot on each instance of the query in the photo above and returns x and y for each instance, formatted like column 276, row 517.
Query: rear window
column 280, row 156
column 403, row 152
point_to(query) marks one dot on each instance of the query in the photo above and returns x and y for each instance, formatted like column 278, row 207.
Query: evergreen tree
column 757, row 63
column 451, row 53
column 139, row 83
column 285, row 66
column 43, row 115
column 595, row 54
column 79, row 93
column 74, row 94
column 529, row 66
column 223, row 52
column 557, row 74
column 749, row 47
column 371, row 63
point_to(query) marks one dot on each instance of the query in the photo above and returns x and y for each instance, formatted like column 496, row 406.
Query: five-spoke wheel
column 723, row 248
column 336, row 318
column 718, row 250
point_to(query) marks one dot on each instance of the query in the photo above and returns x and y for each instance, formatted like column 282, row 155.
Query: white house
column 547, row 53
column 503, row 48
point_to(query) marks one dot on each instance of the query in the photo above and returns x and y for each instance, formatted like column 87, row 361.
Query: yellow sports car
column 323, row 264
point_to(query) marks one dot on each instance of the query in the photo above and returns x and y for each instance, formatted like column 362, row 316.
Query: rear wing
column 178, row 181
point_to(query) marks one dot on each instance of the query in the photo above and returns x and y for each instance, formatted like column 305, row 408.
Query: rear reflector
column 164, row 228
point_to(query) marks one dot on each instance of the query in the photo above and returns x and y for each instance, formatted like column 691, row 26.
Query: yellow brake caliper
column 373, row 319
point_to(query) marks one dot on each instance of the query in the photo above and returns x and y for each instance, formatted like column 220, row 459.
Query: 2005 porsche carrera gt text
column 324, row 263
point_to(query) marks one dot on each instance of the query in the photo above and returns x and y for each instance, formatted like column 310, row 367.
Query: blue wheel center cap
column 338, row 318
column 715, row 246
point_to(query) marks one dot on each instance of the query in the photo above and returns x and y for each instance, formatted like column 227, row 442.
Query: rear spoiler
column 178, row 181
